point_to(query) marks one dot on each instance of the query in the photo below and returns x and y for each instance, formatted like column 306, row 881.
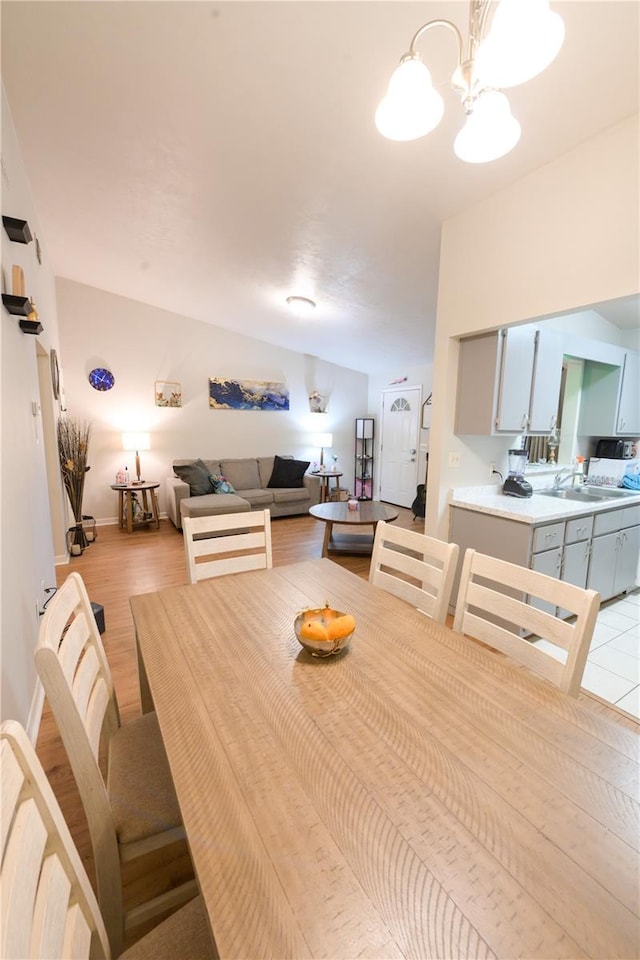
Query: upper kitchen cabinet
column 610, row 404
column 509, row 381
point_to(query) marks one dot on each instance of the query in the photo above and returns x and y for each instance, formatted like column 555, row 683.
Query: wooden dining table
column 417, row 795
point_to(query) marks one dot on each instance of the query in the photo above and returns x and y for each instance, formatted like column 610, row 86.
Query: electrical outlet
column 38, row 611
column 454, row 458
column 493, row 467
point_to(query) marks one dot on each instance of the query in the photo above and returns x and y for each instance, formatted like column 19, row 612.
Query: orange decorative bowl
column 324, row 631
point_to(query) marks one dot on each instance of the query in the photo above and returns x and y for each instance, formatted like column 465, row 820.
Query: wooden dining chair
column 227, row 543
column 503, row 620
column 49, row 908
column 414, row 567
column 134, row 809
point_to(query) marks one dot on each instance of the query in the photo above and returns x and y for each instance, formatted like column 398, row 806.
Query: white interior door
column 399, row 445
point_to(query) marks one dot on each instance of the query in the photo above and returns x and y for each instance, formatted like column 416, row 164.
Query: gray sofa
column 249, row 477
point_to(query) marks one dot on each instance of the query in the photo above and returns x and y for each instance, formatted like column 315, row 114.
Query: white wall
column 27, row 548
column 562, row 238
column 141, row 344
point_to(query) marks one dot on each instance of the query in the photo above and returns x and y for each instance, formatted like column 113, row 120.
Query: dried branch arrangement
column 73, row 448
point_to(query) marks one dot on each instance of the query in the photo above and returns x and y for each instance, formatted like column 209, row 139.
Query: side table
column 325, row 477
column 127, row 495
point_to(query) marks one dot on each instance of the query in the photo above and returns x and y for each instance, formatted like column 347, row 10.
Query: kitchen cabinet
column 576, row 553
column 546, row 556
column 609, row 404
column 615, row 548
column 599, row 551
column 629, row 403
column 509, row 381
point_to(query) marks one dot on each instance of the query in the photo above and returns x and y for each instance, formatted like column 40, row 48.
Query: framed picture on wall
column 227, row 394
column 168, row 393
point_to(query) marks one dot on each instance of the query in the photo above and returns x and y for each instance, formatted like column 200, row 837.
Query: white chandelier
column 524, row 38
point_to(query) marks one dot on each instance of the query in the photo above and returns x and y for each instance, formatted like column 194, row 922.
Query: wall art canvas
column 168, row 393
column 247, row 394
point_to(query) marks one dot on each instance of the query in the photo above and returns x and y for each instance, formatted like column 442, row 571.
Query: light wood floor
column 116, row 566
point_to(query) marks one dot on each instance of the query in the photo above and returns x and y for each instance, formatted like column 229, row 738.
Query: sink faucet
column 567, row 473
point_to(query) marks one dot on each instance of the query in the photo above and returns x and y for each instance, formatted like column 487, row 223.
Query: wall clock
column 55, row 375
column 101, row 379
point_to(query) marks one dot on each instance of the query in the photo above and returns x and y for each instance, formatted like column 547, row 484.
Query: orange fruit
column 341, row 627
column 313, row 630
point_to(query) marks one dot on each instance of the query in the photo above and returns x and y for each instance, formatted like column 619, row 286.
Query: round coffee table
column 368, row 514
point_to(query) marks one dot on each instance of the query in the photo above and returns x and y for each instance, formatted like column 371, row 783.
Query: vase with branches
column 73, row 448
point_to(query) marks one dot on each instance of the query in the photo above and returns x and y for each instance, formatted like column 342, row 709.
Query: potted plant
column 73, row 447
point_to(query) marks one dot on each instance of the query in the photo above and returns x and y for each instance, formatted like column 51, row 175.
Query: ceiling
column 213, row 158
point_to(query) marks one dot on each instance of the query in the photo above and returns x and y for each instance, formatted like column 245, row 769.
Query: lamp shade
column 411, row 108
column 490, row 130
column 136, row 441
column 525, row 37
column 322, row 439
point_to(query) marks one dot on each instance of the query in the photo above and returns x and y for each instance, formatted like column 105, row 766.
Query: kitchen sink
column 580, row 496
column 588, row 494
column 615, row 493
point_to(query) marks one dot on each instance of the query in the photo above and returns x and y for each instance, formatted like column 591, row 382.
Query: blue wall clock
column 101, row 379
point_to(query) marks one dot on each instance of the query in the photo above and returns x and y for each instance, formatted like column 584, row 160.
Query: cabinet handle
column 525, row 421
column 550, row 535
column 621, row 424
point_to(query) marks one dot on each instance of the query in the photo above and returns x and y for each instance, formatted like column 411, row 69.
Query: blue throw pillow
column 220, row 485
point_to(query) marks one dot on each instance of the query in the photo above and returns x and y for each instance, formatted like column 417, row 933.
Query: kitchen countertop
column 536, row 509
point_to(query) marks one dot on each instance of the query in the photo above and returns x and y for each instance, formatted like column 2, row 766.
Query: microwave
column 615, row 449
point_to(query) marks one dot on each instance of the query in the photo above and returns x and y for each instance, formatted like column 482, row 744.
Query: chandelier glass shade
column 411, row 108
column 490, row 130
column 524, row 38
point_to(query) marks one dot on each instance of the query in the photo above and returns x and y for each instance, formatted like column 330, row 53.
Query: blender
column 515, row 485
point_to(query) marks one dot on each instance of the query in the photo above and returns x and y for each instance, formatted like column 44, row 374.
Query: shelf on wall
column 18, row 306
column 30, row 326
column 17, row 230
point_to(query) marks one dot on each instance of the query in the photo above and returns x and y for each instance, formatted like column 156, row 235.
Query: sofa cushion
column 213, row 466
column 257, row 498
column 265, row 468
column 287, row 495
column 213, row 504
column 241, row 474
column 197, row 475
column 288, row 473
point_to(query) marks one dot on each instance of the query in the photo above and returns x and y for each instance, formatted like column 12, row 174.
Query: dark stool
column 98, row 612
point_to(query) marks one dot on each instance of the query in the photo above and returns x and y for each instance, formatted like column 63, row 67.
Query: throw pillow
column 220, row 485
column 197, row 476
column 288, row 473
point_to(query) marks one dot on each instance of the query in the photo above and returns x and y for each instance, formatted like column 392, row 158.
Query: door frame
column 396, row 389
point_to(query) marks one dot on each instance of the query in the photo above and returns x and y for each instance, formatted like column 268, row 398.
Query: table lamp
column 322, row 440
column 137, row 442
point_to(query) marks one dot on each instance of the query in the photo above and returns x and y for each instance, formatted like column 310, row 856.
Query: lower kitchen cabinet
column 599, row 551
column 615, row 549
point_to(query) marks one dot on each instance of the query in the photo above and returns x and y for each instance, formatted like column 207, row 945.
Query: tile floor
column 613, row 665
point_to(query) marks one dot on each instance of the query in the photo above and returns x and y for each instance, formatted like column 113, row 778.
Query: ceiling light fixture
column 301, row 304
column 524, row 38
